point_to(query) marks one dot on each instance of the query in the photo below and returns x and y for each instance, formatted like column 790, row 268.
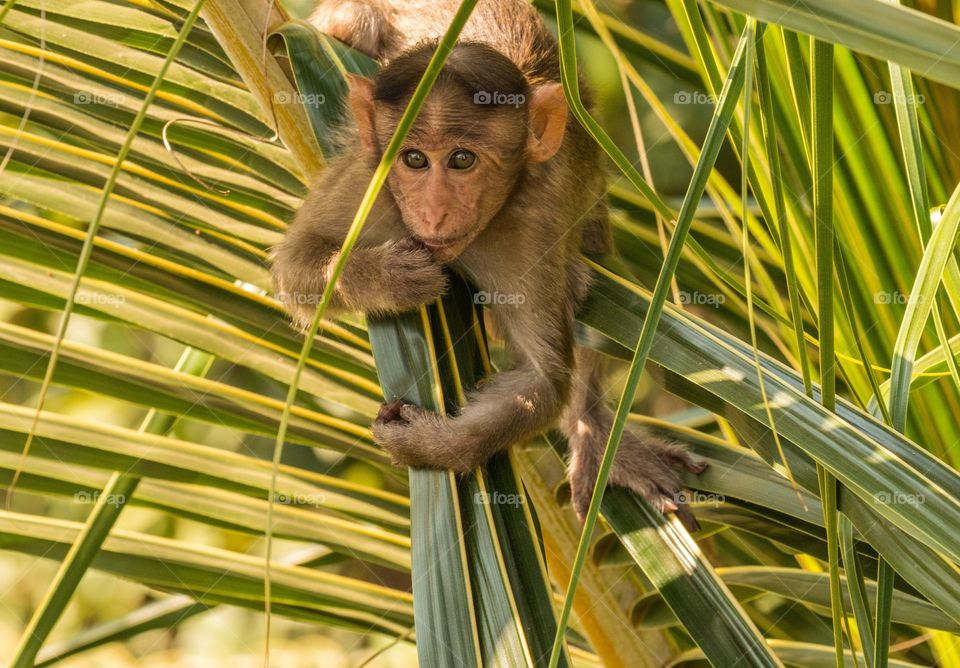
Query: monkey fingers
column 411, row 275
column 420, row 438
column 390, row 411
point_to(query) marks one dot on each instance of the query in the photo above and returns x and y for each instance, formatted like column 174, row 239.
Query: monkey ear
column 361, row 103
column 548, row 119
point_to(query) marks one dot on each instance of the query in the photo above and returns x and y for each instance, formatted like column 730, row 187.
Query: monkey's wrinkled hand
column 389, row 278
column 409, row 275
column 419, row 438
column 643, row 464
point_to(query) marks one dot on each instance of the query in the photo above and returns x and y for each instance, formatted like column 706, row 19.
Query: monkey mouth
column 441, row 244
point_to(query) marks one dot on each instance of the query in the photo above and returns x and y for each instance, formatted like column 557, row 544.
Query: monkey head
column 478, row 131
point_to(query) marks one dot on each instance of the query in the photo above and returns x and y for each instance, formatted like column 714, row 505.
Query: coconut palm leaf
column 179, row 262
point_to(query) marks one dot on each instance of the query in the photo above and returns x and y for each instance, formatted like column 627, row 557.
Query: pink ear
column 548, row 119
column 361, row 103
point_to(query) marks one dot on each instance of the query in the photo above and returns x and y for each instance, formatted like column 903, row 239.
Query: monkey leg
column 362, row 25
column 644, row 463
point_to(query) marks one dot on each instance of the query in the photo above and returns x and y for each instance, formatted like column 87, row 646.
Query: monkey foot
column 646, row 467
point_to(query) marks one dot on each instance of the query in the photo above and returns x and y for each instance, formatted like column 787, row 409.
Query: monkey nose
column 435, row 221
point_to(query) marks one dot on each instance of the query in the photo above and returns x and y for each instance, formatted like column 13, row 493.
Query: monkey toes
column 645, row 466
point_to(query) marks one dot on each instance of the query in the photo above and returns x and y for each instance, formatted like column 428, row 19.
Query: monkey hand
column 420, row 438
column 643, row 464
column 408, row 277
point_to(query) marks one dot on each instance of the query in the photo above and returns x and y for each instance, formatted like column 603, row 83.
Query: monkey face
column 462, row 160
column 450, row 185
column 477, row 133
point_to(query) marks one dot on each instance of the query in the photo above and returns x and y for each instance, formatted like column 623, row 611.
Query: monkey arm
column 387, row 271
column 389, row 277
column 510, row 407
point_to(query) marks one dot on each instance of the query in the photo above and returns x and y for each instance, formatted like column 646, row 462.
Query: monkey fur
column 515, row 221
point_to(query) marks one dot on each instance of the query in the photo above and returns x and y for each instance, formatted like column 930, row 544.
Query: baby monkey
column 497, row 182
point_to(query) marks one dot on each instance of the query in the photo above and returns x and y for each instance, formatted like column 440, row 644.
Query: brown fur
column 521, row 218
column 387, row 273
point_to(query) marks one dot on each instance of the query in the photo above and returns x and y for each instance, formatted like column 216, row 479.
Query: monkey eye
column 415, row 159
column 462, row 159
